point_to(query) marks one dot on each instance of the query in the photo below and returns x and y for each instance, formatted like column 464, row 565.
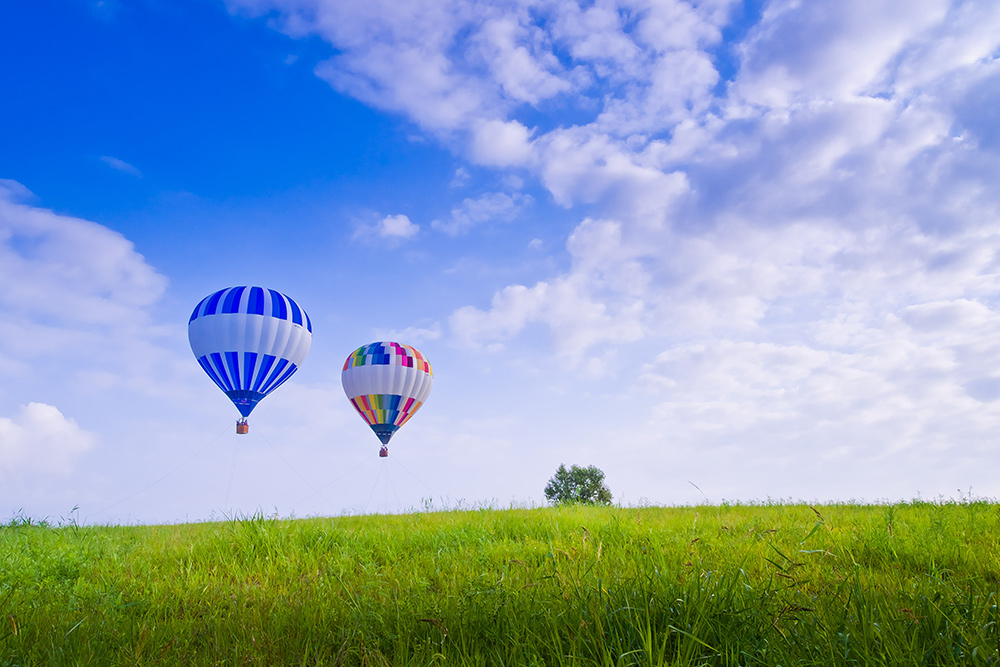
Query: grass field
column 773, row 584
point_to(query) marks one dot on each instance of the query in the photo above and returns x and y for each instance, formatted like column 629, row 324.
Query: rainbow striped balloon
column 387, row 382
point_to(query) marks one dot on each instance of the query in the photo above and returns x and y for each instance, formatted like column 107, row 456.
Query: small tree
column 578, row 485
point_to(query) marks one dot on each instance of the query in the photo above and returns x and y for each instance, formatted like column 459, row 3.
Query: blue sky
column 753, row 247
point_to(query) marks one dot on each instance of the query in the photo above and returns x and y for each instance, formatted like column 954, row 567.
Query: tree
column 578, row 485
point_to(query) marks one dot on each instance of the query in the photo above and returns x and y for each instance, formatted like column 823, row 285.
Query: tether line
column 370, row 495
column 414, row 476
column 389, row 485
column 232, row 468
column 168, row 474
column 316, row 492
column 333, row 481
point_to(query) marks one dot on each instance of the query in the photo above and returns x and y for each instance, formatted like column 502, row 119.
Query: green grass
column 903, row 584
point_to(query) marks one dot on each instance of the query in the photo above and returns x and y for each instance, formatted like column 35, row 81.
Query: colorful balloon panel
column 249, row 340
column 387, row 383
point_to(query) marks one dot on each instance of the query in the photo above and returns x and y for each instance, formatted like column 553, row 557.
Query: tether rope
column 232, row 468
column 168, row 474
column 370, row 495
column 316, row 492
column 334, row 481
column 389, row 485
column 414, row 476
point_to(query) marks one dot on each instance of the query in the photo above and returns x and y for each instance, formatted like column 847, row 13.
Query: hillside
column 773, row 584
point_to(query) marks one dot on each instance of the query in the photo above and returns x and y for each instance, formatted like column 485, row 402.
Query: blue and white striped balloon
column 249, row 340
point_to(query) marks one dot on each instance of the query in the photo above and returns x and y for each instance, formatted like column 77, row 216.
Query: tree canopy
column 578, row 485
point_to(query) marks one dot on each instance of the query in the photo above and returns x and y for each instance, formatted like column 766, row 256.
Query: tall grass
column 903, row 584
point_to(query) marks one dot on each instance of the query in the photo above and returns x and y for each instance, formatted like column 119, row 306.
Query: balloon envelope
column 387, row 383
column 249, row 340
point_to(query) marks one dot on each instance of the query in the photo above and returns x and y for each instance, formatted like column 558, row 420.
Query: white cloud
column 485, row 208
column 523, row 75
column 595, row 35
column 121, row 165
column 584, row 165
column 963, row 41
column 825, row 176
column 501, row 144
column 69, row 270
column 393, row 229
column 802, row 51
column 665, row 26
column 397, row 227
column 410, row 335
column 394, row 55
column 574, row 306
column 960, row 315
column 467, row 67
column 76, row 305
column 809, row 251
column 40, row 440
column 679, row 83
column 888, row 410
column 461, row 178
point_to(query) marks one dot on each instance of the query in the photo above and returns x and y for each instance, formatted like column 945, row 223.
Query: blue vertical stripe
column 249, row 364
column 228, row 301
column 265, row 367
column 194, row 315
column 244, row 376
column 278, row 307
column 296, row 314
column 233, row 364
column 207, row 367
column 255, row 305
column 220, row 368
column 280, row 366
column 213, row 302
column 291, row 371
column 232, row 302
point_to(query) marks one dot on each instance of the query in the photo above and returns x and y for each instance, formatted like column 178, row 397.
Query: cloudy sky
column 722, row 250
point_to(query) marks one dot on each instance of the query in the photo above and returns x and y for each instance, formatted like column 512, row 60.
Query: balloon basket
column 384, row 452
column 242, row 427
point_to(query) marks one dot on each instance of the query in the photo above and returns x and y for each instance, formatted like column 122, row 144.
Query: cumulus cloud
column 888, row 414
column 583, row 165
column 393, row 229
column 39, row 439
column 575, row 306
column 525, row 72
column 485, row 208
column 501, row 144
column 469, row 67
column 410, row 335
column 68, row 269
column 821, row 177
column 958, row 315
column 408, row 66
column 812, row 241
column 76, row 301
column 121, row 165
column 828, row 51
column 397, row 227
column 461, row 178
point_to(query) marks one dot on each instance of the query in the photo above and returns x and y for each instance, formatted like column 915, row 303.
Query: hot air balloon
column 387, row 383
column 249, row 340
